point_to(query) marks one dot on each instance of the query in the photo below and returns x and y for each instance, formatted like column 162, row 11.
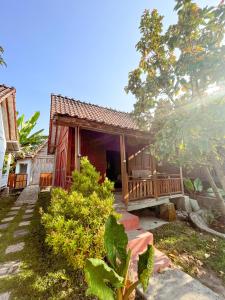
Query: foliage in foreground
column 104, row 278
column 43, row 275
column 75, row 220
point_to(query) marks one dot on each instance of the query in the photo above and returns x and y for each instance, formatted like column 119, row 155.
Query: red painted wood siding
column 96, row 153
column 61, row 157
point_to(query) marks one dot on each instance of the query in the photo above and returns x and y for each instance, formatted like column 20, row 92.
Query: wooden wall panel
column 61, row 157
column 95, row 152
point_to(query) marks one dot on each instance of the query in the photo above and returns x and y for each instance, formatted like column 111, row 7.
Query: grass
column 191, row 249
column 43, row 275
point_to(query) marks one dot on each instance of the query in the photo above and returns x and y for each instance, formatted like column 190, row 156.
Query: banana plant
column 109, row 279
column 29, row 140
column 193, row 187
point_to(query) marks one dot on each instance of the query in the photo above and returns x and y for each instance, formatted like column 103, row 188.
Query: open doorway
column 113, row 171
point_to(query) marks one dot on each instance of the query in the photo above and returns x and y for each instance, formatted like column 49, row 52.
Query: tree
column 179, row 65
column 2, row 62
column 28, row 140
column 171, row 84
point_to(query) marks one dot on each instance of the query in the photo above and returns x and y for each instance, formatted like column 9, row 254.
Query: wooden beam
column 101, row 127
column 124, row 175
column 182, row 180
column 8, row 118
column 15, row 118
column 155, row 181
column 77, row 148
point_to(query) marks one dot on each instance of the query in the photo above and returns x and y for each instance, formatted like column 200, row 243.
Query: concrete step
column 138, row 240
column 161, row 261
column 129, row 221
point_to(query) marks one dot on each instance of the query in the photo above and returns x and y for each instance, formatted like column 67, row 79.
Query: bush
column 76, row 219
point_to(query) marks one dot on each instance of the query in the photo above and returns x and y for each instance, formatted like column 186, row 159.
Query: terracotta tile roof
column 5, row 90
column 74, row 108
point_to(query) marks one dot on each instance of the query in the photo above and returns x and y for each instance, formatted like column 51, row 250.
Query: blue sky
column 82, row 49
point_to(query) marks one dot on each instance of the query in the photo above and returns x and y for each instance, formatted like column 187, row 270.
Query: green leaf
column 115, row 241
column 189, row 185
column 146, row 266
column 97, row 275
column 198, row 185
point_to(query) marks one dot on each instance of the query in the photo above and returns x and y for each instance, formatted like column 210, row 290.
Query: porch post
column 124, row 176
column 155, row 182
column 77, row 148
column 182, row 181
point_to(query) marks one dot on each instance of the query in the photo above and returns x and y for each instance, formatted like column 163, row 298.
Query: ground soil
column 200, row 255
column 218, row 224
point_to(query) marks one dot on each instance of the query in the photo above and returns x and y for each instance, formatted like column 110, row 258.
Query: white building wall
column 27, row 161
column 2, row 148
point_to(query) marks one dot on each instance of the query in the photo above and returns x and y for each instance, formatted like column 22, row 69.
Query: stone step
column 161, row 261
column 138, row 240
column 129, row 221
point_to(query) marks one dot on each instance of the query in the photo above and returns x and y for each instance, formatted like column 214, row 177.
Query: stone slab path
column 25, row 201
column 174, row 284
column 29, row 195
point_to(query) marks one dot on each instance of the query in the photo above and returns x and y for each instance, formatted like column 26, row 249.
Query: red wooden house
column 114, row 145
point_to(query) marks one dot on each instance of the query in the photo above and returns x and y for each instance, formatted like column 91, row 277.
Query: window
column 23, row 168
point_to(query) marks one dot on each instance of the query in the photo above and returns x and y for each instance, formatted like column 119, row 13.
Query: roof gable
column 74, row 108
column 5, row 91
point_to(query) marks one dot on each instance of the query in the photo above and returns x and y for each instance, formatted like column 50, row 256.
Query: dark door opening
column 113, row 171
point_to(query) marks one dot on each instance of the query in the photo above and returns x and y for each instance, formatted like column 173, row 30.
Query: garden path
column 22, row 210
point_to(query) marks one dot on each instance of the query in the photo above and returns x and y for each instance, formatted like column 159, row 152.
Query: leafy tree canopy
column 171, row 85
column 177, row 65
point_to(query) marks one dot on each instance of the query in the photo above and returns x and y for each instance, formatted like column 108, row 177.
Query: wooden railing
column 154, row 187
column 17, row 181
column 45, row 179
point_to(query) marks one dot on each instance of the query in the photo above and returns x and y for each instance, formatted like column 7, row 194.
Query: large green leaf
column 189, row 185
column 97, row 275
column 198, row 185
column 146, row 266
column 115, row 241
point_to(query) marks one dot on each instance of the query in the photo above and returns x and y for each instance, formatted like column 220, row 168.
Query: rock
column 14, row 248
column 201, row 224
column 5, row 296
column 19, row 233
column 183, row 203
column 25, row 223
column 194, row 205
column 168, row 212
column 25, row 217
column 7, row 219
column 4, row 226
column 12, row 213
column 27, row 211
column 9, row 268
column 182, row 215
column 174, row 284
column 16, row 208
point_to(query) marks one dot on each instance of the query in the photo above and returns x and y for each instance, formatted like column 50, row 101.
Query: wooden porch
column 149, row 192
column 141, row 183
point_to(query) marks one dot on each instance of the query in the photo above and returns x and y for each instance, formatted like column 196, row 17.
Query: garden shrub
column 75, row 220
